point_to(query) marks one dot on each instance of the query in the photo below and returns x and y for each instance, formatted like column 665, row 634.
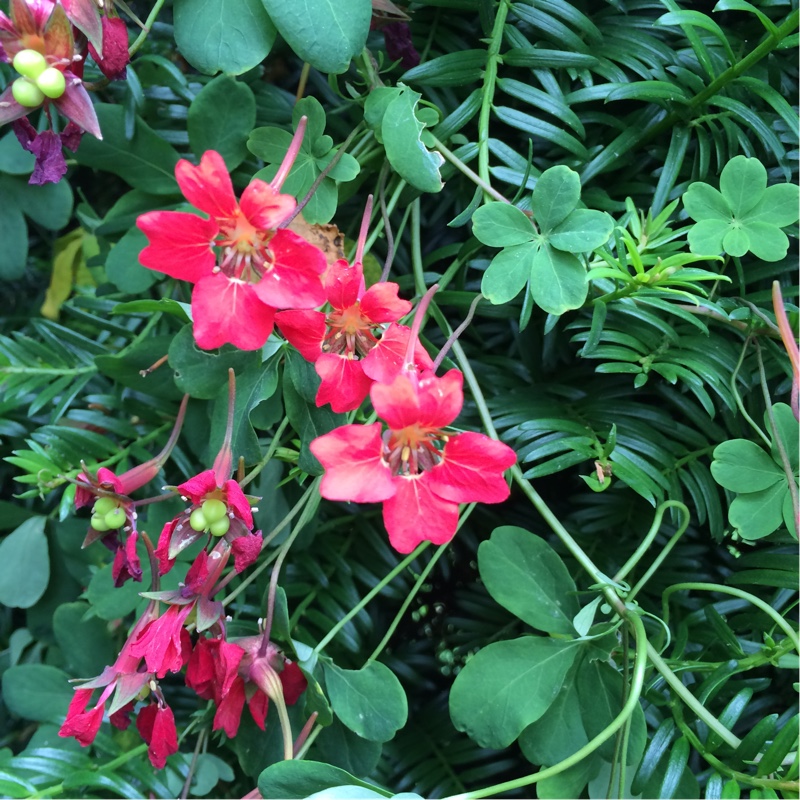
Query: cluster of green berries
column 38, row 80
column 107, row 514
column 212, row 516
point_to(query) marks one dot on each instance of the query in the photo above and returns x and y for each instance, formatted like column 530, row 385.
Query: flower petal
column 208, row 186
column 229, row 311
column 114, row 59
column 354, row 469
column 58, row 42
column 381, row 304
column 229, row 711
column 440, row 399
column 396, row 402
column 293, row 281
column 344, row 283
column 10, row 109
column 246, row 549
column 305, row 330
column 237, row 502
column 293, row 681
column 344, row 384
column 180, row 244
column 471, row 470
column 199, row 486
column 265, row 208
column 76, row 106
column 415, row 515
column 385, row 361
column 85, row 16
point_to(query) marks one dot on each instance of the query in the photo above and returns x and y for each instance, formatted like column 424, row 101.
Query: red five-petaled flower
column 347, row 345
column 419, row 472
column 256, row 268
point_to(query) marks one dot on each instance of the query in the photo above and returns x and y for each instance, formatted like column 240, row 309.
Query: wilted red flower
column 156, row 725
column 257, row 269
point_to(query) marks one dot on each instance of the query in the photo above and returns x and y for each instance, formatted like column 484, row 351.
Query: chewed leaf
column 402, row 133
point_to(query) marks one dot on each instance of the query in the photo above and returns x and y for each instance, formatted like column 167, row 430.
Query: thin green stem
column 651, row 535
column 8, row 370
column 489, row 81
column 377, row 589
column 737, row 396
column 750, row 598
column 390, row 206
column 464, row 169
column 637, row 683
column 416, row 249
column 415, row 589
column 659, row 559
column 276, row 440
column 148, row 24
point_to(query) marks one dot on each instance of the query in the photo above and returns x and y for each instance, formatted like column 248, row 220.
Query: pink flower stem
column 303, row 735
column 387, row 227
column 451, row 340
column 789, row 342
column 362, row 234
column 419, row 316
column 291, row 154
column 155, row 577
column 223, row 463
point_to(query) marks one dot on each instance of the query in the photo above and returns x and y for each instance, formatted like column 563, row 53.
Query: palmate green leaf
column 24, row 564
column 401, row 131
column 370, row 701
column 742, row 466
column 583, row 230
column 501, row 225
column 558, row 281
column 742, row 184
column 557, row 193
column 221, row 118
column 507, row 686
column 526, row 576
column 757, row 514
column 230, row 36
column 325, row 33
column 508, row 273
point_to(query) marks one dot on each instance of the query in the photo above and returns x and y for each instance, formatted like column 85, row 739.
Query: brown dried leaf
column 327, row 238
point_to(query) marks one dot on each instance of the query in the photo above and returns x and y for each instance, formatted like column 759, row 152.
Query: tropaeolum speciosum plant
column 398, row 400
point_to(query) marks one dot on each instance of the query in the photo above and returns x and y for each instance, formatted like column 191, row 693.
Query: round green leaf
column 508, row 273
column 766, row 241
column 507, row 686
column 757, row 514
column 221, row 118
column 85, row 643
column 742, row 183
column 122, row 265
column 557, row 192
column 583, row 230
column 558, row 281
column 410, row 158
column 736, row 242
column 24, row 564
column 370, row 701
column 703, row 202
column 112, row 602
column 229, row 36
column 525, row 575
column 303, row 778
column 778, row 206
column 788, row 431
column 37, row 692
column 742, row 466
column 705, row 238
column 501, row 225
column 326, row 33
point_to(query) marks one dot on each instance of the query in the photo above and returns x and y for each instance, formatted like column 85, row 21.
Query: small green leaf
column 370, row 701
column 304, row 778
column 122, row 265
column 526, row 576
column 767, row 242
column 705, row 238
column 757, row 514
column 37, row 692
column 230, row 36
column 401, row 131
column 508, row 273
column 736, row 242
column 557, row 192
column 583, row 230
column 742, row 466
column 507, row 686
column 742, row 184
column 326, row 33
column 501, row 225
column 778, row 206
column 24, row 564
column 221, row 118
column 558, row 281
column 703, row 202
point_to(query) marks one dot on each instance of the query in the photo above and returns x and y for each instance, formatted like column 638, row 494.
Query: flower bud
column 29, row 64
column 27, row 94
column 52, row 83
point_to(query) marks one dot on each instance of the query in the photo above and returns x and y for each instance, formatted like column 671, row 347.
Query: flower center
column 350, row 333
column 413, row 449
column 245, row 250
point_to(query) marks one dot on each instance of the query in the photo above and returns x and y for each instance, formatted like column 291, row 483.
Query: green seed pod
column 220, row 527
column 99, row 523
column 103, row 505
column 115, row 518
column 29, row 64
column 52, row 83
column 27, row 94
column 197, row 520
column 214, row 510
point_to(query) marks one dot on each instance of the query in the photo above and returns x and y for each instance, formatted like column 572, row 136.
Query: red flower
column 419, row 472
column 260, row 268
column 344, row 344
column 82, row 724
column 164, row 644
column 156, row 725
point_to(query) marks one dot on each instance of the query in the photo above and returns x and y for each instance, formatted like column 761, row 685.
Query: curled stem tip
column 223, row 463
column 453, row 338
column 362, row 234
column 291, row 155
